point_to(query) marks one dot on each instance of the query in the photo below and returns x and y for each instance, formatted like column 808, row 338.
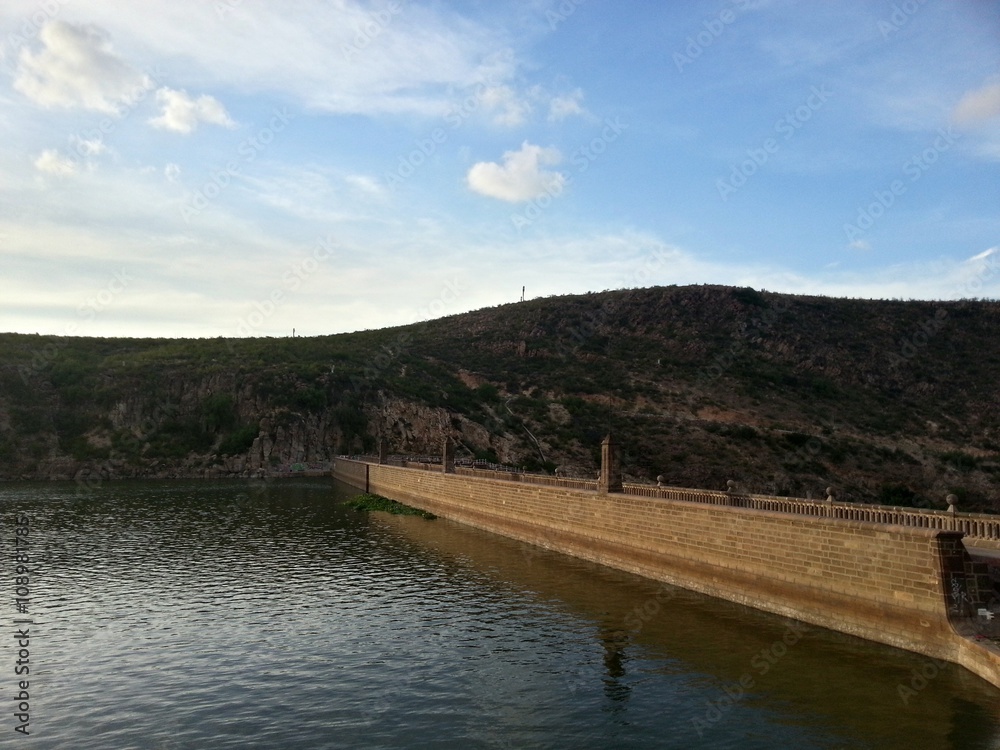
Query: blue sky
column 213, row 168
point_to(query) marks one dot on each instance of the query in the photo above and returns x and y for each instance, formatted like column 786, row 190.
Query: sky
column 205, row 168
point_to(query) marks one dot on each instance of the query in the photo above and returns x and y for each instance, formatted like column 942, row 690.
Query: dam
column 898, row 576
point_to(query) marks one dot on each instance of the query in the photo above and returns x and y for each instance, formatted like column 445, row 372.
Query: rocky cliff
column 886, row 400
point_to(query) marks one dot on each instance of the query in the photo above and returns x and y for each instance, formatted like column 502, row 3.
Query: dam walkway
column 906, row 577
column 981, row 530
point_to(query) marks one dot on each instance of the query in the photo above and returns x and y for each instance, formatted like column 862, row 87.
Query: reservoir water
column 176, row 615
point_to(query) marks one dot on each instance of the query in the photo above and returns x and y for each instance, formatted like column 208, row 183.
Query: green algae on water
column 369, row 501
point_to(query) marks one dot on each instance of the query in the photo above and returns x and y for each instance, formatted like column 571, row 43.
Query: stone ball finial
column 730, row 486
column 660, row 479
column 952, row 502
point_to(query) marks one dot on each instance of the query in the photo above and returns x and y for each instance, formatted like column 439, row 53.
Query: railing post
column 953, row 512
column 448, row 457
column 610, row 480
column 830, row 500
column 730, row 491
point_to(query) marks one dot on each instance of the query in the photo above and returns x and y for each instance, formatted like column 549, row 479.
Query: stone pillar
column 730, row 491
column 952, row 501
column 383, row 452
column 448, row 457
column 611, row 479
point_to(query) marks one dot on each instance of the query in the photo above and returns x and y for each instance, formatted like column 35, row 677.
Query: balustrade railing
column 974, row 525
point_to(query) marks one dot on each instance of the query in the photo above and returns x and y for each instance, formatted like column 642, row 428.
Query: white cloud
column 989, row 151
column 365, row 185
column 172, row 172
column 981, row 104
column 182, row 114
column 341, row 56
column 562, row 107
column 85, row 147
column 984, row 255
column 312, row 194
column 508, row 109
column 511, row 109
column 76, row 67
column 520, row 177
column 52, row 162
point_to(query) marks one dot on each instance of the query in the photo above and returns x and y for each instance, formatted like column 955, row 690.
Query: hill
column 887, row 401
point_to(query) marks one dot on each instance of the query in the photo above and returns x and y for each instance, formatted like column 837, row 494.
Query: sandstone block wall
column 884, row 583
column 353, row 472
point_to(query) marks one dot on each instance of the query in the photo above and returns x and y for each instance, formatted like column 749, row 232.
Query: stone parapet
column 887, row 583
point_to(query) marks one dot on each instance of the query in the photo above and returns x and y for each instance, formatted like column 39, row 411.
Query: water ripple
column 183, row 615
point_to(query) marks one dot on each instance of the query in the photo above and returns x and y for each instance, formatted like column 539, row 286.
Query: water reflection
column 615, row 688
column 723, row 667
column 229, row 614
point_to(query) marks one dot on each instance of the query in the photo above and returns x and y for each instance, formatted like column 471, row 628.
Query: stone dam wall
column 902, row 586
